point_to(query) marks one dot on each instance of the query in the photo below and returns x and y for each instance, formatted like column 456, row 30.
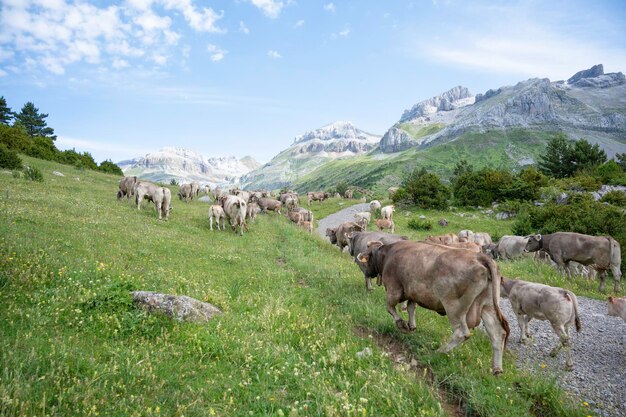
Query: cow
column 357, row 243
column 308, row 226
column 144, row 190
column 530, row 300
column 295, row 216
column 162, row 198
column 235, row 209
column 510, row 247
column 252, row 210
column 387, row 212
column 316, row 196
column 339, row 235
column 195, row 189
column 307, row 215
column 466, row 234
column 444, row 239
column 463, row 285
column 217, row 193
column 291, row 202
column 617, row 307
column 348, row 194
column 382, row 224
column 243, row 194
column 490, row 249
column 269, row 204
column 602, row 253
column 185, row 191
column 206, row 189
column 481, row 238
column 470, row 246
column 375, row 205
column 363, row 217
column 290, row 194
column 126, row 188
column 217, row 212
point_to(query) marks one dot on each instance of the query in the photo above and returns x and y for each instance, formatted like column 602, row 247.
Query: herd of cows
column 454, row 274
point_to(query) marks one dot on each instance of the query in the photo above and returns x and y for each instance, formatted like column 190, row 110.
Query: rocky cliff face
column 308, row 151
column 185, row 165
column 590, row 104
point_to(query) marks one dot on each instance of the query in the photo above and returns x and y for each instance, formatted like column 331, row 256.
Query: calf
column 510, row 247
column 382, row 224
column 339, row 235
column 295, row 216
column 217, row 212
column 387, row 212
column 252, row 210
column 375, row 205
column 617, row 307
column 363, row 218
column 306, row 225
column 542, row 302
column 269, row 204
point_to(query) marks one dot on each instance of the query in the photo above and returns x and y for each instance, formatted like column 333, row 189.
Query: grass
column 71, row 343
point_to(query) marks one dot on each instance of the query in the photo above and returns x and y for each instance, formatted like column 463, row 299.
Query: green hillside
column 495, row 148
column 296, row 314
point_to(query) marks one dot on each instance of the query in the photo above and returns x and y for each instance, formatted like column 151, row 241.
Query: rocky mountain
column 310, row 150
column 185, row 165
column 590, row 104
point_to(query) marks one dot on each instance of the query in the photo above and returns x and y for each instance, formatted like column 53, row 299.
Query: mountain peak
column 592, row 72
column 454, row 98
column 342, row 130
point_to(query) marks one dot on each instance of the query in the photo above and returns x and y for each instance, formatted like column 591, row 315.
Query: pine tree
column 557, row 159
column 34, row 122
column 5, row 112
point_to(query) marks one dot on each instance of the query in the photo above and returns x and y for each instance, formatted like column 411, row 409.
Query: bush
column 608, row 170
column 581, row 182
column 33, row 174
column 617, row 198
column 9, row 158
column 424, row 190
column 420, row 224
column 110, row 168
column 341, row 188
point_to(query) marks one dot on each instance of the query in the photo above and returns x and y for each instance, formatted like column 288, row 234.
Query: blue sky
column 243, row 77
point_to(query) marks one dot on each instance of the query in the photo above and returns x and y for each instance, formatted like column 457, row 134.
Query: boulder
column 178, row 307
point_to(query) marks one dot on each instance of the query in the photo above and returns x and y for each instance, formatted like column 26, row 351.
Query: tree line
column 28, row 133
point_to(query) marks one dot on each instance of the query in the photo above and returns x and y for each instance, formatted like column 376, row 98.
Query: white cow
column 387, row 212
column 217, row 212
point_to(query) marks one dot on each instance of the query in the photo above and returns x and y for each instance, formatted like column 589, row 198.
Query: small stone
column 364, row 353
column 58, row 174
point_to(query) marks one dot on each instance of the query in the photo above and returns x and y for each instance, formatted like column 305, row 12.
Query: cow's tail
column 572, row 296
column 615, row 254
column 495, row 294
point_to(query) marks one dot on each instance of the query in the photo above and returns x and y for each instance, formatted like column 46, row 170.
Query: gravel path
column 335, row 219
column 599, row 350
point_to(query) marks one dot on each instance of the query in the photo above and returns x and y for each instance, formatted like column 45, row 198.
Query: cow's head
column 535, row 242
column 332, row 235
column 367, row 260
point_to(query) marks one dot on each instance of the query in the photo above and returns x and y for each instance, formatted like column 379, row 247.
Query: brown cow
column 126, row 188
column 617, row 307
column 235, row 209
column 317, row 196
column 269, row 204
column 185, row 191
column 599, row 252
column 348, row 194
column 217, row 212
column 339, row 235
column 252, row 210
column 444, row 239
column 306, row 225
column 382, row 224
column 295, row 216
column 463, row 285
column 530, row 300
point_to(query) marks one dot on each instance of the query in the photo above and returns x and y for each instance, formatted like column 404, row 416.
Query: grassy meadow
column 296, row 315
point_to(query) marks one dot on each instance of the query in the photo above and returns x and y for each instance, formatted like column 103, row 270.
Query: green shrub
column 424, row 190
column 581, row 182
column 617, row 198
column 341, row 187
column 33, row 174
column 111, row 168
column 608, row 170
column 9, row 158
column 420, row 224
column 620, row 180
column 17, row 174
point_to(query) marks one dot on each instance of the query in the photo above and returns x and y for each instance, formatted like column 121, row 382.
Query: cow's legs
column 497, row 335
column 522, row 321
column 457, row 315
column 564, row 342
column 393, row 298
column 158, row 209
column 617, row 274
column 602, row 276
column 411, row 305
column 211, row 222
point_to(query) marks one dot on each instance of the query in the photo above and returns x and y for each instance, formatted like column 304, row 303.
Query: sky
column 120, row 79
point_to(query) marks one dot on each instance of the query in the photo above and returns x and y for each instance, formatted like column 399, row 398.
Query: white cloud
column 270, row 8
column 330, row 7
column 243, row 28
column 345, row 32
column 53, row 34
column 119, row 63
column 217, row 54
column 2, row 73
column 299, row 23
column 273, row 54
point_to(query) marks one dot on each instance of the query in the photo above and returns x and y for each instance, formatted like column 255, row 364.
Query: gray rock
column 364, row 353
column 205, row 199
column 443, row 222
column 396, row 140
column 562, row 199
column 505, row 215
column 603, row 81
column 179, row 307
column 588, row 73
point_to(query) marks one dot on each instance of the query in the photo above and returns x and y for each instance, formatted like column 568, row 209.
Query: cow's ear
column 610, row 299
column 374, row 243
column 362, row 258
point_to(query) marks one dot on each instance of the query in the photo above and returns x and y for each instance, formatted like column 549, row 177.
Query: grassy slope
column 71, row 345
column 493, row 148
